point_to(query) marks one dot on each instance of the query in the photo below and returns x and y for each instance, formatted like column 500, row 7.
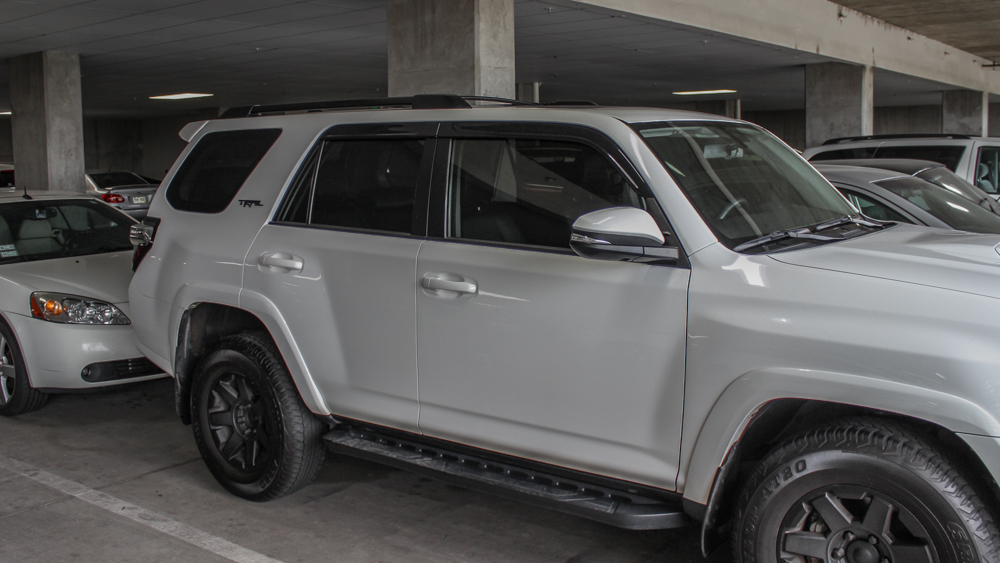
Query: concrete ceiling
column 270, row 51
column 970, row 25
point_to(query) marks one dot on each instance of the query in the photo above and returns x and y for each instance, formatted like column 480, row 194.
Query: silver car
column 124, row 190
column 65, row 267
column 640, row 316
column 887, row 195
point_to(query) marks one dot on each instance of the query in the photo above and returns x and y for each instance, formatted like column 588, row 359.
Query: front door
column 338, row 263
column 524, row 347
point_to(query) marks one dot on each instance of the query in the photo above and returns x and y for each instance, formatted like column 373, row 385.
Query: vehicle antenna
column 26, row 196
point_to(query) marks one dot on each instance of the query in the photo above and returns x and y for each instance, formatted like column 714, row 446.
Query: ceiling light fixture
column 4, row 113
column 184, row 96
column 704, row 92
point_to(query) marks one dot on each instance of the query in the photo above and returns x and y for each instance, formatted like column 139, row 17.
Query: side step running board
column 617, row 508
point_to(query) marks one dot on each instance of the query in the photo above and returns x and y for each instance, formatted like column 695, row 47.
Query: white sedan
column 65, row 267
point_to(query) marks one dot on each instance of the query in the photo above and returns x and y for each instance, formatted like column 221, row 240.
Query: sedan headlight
column 73, row 309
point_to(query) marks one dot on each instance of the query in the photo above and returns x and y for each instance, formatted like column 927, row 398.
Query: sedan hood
column 940, row 258
column 101, row 276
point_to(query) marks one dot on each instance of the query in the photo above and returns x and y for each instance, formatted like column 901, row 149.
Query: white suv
column 975, row 159
column 640, row 316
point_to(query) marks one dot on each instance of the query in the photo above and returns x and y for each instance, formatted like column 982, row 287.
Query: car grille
column 119, row 369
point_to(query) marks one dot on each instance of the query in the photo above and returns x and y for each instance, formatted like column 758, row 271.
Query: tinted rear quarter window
column 844, row 154
column 947, row 155
column 217, row 167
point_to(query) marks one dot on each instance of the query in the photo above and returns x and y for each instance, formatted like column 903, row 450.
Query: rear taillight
column 142, row 235
column 113, row 198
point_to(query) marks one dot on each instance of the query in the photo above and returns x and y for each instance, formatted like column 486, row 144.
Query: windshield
column 956, row 211
column 105, row 180
column 952, row 182
column 743, row 181
column 42, row 230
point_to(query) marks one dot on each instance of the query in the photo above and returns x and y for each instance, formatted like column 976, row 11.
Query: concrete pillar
column 840, row 101
column 463, row 47
column 47, row 121
column 965, row 112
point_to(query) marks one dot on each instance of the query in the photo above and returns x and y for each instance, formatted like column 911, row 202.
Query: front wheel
column 861, row 491
column 17, row 396
column 257, row 437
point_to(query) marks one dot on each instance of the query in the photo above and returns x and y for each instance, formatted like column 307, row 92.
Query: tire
column 861, row 491
column 257, row 437
column 17, row 396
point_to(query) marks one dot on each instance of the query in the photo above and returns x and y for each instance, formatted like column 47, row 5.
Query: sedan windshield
column 956, row 211
column 46, row 229
column 743, row 181
column 954, row 183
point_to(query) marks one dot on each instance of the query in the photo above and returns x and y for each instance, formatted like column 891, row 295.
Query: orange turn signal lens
column 53, row 307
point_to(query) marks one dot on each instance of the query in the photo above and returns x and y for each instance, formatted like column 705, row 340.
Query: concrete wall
column 789, row 125
column 907, row 119
column 112, row 144
column 160, row 143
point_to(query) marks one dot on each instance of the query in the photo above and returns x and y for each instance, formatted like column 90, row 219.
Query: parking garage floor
column 116, row 477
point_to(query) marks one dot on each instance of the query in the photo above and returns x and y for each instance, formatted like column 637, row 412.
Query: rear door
column 338, row 262
column 526, row 348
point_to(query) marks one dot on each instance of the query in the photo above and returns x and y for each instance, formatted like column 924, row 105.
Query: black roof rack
column 899, row 136
column 571, row 103
column 420, row 101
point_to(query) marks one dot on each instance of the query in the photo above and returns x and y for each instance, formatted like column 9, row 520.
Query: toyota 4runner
column 644, row 317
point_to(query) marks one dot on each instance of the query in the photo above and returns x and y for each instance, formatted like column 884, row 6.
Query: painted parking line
column 183, row 532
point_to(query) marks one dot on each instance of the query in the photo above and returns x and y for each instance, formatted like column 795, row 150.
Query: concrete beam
column 463, row 47
column 819, row 27
column 47, row 121
column 965, row 112
column 840, row 101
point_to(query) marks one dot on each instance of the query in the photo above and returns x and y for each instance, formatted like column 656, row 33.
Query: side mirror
column 621, row 234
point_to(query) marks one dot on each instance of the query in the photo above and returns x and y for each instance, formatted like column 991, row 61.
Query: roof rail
column 571, row 103
column 507, row 101
column 899, row 136
column 420, row 101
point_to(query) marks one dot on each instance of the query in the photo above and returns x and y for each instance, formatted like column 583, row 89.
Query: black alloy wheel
column 861, row 491
column 256, row 436
column 241, row 425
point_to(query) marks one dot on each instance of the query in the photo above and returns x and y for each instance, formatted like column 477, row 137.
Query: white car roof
column 8, row 195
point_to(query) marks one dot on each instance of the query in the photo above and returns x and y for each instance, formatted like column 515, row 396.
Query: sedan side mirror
column 621, row 234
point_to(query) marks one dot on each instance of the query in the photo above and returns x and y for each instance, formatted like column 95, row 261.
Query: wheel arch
column 203, row 324
column 727, row 446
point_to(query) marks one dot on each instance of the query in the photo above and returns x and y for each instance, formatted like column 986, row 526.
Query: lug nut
column 849, row 536
column 838, row 553
column 872, row 540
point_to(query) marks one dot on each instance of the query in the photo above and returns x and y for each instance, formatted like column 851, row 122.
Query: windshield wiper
column 856, row 219
column 809, row 233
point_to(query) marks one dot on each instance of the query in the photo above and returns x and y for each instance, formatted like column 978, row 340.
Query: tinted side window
column 367, row 184
column 216, row 169
column 988, row 170
column 947, row 155
column 842, row 154
column 529, row 191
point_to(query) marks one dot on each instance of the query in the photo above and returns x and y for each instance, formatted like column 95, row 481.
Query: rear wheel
column 257, row 437
column 861, row 491
column 17, row 396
